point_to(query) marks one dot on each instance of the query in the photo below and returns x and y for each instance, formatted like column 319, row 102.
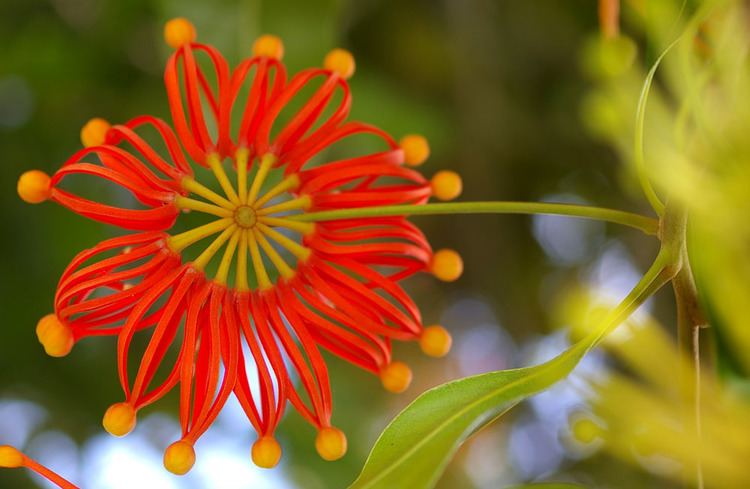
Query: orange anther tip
column 178, row 32
column 94, row 132
column 266, row 452
column 119, row 420
column 446, row 185
column 435, row 341
column 10, row 458
column 269, row 45
column 396, row 377
column 34, row 187
column 45, row 324
column 179, row 457
column 416, row 149
column 55, row 337
column 340, row 61
column 330, row 444
column 447, row 265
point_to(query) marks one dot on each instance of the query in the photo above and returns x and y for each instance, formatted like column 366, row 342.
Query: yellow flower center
column 248, row 221
column 245, row 216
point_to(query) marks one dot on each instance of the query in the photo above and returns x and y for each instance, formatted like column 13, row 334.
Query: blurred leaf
column 547, row 485
column 640, row 119
column 416, row 446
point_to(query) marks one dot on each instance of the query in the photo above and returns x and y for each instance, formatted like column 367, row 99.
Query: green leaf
column 414, row 449
column 417, row 445
column 640, row 118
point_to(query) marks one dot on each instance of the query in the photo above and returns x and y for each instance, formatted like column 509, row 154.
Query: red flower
column 306, row 286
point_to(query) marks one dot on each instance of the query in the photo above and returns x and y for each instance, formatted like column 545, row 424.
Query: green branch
column 637, row 221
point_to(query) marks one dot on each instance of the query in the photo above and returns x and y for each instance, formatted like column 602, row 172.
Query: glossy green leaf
column 414, row 449
column 416, row 446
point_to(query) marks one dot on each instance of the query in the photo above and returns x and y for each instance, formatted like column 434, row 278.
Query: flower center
column 249, row 220
column 245, row 216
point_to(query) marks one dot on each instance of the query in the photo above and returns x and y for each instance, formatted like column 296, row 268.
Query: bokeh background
column 497, row 88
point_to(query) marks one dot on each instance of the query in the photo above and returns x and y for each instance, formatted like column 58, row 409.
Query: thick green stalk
column 690, row 320
column 637, row 221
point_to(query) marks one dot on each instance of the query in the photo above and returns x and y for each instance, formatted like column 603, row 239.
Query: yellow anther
column 205, row 257
column 119, row 420
column 241, row 279
column 447, row 265
column 197, row 205
column 179, row 457
column 10, row 458
column 214, row 162
column 268, row 45
column 241, row 158
column 304, row 228
column 264, row 282
column 302, row 253
column 198, row 189
column 396, row 377
column 34, row 187
column 266, row 452
column 55, row 337
column 330, row 443
column 179, row 242
column 226, row 261
column 435, row 341
column 304, row 202
column 585, row 430
column 94, row 132
column 446, row 185
column 416, row 149
column 266, row 163
column 340, row 61
column 284, row 269
column 178, row 32
column 289, row 183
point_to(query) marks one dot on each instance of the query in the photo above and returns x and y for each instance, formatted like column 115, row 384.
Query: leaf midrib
column 399, row 461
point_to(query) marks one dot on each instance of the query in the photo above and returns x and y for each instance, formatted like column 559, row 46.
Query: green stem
column 690, row 319
column 637, row 221
column 660, row 273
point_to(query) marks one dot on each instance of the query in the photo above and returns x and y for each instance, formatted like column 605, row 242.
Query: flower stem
column 690, row 320
column 637, row 221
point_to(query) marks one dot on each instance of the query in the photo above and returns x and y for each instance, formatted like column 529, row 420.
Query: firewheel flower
column 246, row 312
